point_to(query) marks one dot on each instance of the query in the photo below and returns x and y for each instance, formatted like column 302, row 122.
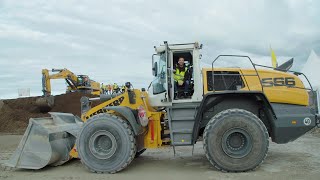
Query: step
column 181, row 137
column 177, row 125
column 183, row 116
column 182, row 143
column 184, row 106
column 183, row 119
column 182, row 131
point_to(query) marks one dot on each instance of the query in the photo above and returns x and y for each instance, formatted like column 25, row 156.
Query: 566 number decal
column 278, row 81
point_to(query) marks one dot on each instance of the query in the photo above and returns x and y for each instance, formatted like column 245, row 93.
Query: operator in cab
column 180, row 74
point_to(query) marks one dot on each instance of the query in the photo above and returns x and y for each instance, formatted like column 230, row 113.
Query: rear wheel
column 236, row 140
column 106, row 144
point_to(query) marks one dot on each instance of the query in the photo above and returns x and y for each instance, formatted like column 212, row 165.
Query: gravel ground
column 296, row 160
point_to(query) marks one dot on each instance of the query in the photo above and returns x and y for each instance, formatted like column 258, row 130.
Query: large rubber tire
column 236, row 140
column 106, row 144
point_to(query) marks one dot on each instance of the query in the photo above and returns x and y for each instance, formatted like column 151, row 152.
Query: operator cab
column 165, row 89
column 185, row 88
column 83, row 80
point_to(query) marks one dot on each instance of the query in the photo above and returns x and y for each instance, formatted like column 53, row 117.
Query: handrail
column 296, row 73
column 229, row 55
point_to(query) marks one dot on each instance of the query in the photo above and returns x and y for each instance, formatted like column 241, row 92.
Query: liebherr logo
column 113, row 103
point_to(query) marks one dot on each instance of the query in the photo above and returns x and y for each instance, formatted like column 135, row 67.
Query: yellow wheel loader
column 236, row 111
column 76, row 83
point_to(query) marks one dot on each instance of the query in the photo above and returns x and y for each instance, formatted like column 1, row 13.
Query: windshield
column 83, row 80
column 159, row 83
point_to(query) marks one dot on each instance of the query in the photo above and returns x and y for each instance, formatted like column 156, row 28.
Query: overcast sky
column 112, row 41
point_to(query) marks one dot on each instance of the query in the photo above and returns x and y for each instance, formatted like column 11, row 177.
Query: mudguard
column 127, row 113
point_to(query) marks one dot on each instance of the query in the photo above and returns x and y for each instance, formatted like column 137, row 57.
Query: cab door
column 161, row 87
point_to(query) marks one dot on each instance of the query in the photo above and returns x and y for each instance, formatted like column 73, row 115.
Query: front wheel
column 106, row 144
column 236, row 140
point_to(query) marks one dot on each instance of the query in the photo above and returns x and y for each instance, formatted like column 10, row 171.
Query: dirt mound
column 1, row 104
column 15, row 113
column 68, row 103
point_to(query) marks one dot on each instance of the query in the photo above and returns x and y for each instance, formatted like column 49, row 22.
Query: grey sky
column 112, row 41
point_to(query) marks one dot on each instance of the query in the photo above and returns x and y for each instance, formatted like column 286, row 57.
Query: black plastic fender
column 127, row 113
column 206, row 103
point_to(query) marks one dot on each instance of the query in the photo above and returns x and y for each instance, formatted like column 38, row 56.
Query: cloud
column 112, row 41
column 14, row 31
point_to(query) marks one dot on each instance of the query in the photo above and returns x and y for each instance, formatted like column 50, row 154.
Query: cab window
column 224, row 80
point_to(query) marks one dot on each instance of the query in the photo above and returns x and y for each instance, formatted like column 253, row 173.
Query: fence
column 24, row 92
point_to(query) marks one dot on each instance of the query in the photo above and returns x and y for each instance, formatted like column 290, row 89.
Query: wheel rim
column 102, row 144
column 236, row 143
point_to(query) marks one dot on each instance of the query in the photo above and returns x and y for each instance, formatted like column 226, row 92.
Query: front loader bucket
column 47, row 141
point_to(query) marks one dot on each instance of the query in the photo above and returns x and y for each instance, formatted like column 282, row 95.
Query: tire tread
column 212, row 123
column 131, row 137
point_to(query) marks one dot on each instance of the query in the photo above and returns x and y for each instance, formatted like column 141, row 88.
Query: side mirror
column 155, row 69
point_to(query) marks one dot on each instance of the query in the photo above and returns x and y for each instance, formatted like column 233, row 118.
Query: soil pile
column 69, row 103
column 15, row 113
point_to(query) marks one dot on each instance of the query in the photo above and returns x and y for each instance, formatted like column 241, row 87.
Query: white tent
column 312, row 70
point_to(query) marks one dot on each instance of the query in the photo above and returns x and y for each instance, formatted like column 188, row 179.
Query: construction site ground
column 296, row 160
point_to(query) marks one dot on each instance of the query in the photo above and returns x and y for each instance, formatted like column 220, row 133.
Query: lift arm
column 69, row 76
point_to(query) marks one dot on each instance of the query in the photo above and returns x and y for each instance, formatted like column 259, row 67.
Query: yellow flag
column 273, row 59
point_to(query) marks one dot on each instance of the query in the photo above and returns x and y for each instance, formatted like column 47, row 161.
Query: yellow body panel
column 96, row 87
column 152, row 137
column 141, row 99
column 271, row 79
